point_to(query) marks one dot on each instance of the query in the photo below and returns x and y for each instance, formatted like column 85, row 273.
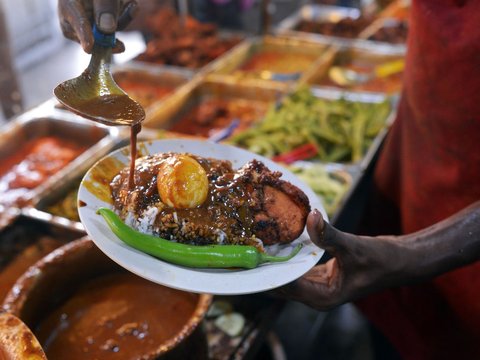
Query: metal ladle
column 95, row 95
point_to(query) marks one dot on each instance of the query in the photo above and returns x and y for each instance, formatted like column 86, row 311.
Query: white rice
column 146, row 221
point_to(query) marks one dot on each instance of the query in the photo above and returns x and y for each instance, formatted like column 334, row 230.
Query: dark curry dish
column 196, row 200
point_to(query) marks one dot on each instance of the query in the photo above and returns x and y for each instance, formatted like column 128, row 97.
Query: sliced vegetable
column 340, row 130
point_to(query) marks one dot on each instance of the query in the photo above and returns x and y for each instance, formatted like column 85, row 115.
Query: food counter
column 272, row 95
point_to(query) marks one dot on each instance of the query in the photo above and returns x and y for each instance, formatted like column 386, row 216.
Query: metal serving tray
column 364, row 97
column 32, row 125
column 333, row 14
column 150, row 74
column 41, row 208
column 207, row 89
column 221, row 34
column 374, row 56
column 367, row 98
column 317, row 13
column 378, row 25
column 233, row 60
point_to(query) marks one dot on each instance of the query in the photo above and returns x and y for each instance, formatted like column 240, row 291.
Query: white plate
column 213, row 281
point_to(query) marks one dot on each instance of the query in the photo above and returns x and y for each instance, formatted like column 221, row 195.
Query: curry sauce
column 116, row 316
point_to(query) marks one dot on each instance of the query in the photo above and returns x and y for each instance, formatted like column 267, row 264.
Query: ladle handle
column 105, row 40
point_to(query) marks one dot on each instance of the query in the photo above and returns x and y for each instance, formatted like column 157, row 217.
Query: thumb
column 106, row 15
column 325, row 235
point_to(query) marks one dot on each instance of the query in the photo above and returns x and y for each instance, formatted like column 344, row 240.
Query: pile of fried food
column 196, row 200
column 190, row 44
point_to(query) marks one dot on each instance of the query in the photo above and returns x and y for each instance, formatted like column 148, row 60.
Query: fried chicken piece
column 280, row 209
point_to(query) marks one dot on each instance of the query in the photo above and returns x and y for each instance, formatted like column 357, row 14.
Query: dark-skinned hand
column 77, row 18
column 359, row 265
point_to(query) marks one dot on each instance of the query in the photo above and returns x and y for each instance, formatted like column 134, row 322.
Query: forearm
column 449, row 244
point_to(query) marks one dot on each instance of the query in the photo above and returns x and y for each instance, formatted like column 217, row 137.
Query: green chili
column 199, row 256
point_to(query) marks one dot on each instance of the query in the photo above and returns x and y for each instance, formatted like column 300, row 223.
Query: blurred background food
column 391, row 31
column 187, row 42
column 339, row 130
column 329, row 183
column 347, row 27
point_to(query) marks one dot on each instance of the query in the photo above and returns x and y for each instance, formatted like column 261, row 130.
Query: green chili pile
column 198, row 256
column 340, row 130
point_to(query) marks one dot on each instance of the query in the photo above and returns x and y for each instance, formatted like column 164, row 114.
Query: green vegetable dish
column 339, row 130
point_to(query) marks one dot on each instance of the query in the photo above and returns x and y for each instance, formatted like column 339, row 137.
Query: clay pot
column 17, row 341
column 53, row 280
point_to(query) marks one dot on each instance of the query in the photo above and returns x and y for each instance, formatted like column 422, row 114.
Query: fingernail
column 106, row 22
column 133, row 9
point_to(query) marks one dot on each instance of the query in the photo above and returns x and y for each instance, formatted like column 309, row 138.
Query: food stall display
column 268, row 59
column 37, row 152
column 148, row 84
column 308, row 127
column 214, row 106
column 272, row 95
column 38, row 160
column 213, row 115
column 348, row 26
column 191, row 44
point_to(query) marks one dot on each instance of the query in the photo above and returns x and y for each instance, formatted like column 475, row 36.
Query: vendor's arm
column 77, row 17
column 362, row 265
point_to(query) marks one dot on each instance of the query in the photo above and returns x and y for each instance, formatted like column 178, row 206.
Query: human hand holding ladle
column 94, row 94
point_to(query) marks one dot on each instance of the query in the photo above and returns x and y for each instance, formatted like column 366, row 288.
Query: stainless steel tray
column 365, row 98
column 375, row 56
column 147, row 74
column 215, row 87
column 41, row 208
column 326, row 13
column 229, row 63
column 37, row 123
column 361, row 97
column 222, row 35
column 378, row 25
column 317, row 13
